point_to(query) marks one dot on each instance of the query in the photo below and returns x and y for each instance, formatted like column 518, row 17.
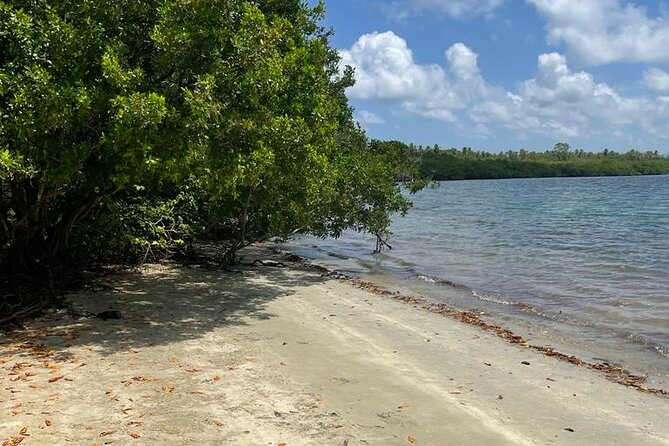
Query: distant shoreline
column 555, row 177
column 560, row 162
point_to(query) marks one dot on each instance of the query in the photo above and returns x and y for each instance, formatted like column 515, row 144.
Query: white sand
column 279, row 355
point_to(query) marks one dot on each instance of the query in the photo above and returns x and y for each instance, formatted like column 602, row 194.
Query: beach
column 287, row 355
column 578, row 264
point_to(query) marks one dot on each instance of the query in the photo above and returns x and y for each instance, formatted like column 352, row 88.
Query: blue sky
column 508, row 74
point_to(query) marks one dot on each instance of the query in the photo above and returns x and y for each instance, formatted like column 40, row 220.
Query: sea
column 578, row 264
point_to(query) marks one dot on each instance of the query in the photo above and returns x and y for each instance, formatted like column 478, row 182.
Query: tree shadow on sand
column 163, row 304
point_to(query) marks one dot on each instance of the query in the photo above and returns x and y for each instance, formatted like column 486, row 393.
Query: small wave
column 440, row 281
column 662, row 350
column 427, row 278
column 526, row 308
column 492, row 298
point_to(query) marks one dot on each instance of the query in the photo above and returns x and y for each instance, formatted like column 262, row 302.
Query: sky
column 499, row 75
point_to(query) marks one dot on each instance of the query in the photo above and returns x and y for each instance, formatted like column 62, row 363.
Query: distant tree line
column 562, row 161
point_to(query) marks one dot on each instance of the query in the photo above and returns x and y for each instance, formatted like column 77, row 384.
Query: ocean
column 579, row 264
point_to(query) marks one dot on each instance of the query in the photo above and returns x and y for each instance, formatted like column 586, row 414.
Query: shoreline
column 612, row 372
column 631, row 360
column 296, row 355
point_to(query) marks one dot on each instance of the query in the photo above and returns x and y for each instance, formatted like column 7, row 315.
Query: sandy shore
column 282, row 356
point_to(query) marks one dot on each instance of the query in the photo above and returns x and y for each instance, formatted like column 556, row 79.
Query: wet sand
column 271, row 356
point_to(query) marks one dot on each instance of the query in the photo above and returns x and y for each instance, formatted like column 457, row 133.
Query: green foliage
column 12, row 164
column 138, row 226
column 561, row 161
column 384, row 165
column 129, row 126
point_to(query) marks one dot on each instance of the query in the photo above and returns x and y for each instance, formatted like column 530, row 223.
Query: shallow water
column 578, row 263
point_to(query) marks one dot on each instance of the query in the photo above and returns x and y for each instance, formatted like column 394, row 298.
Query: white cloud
column 401, row 9
column 556, row 84
column 366, row 117
column 657, row 80
column 464, row 62
column 560, row 103
column 597, row 32
column 385, row 69
column 557, row 102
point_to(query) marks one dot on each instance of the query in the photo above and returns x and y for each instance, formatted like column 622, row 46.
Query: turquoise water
column 577, row 263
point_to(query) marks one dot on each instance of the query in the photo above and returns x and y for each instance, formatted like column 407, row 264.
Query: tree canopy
column 129, row 126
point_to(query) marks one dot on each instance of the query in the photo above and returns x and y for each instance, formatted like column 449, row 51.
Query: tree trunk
column 240, row 241
column 381, row 243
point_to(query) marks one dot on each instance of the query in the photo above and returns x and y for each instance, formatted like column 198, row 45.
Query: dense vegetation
column 561, row 161
column 130, row 127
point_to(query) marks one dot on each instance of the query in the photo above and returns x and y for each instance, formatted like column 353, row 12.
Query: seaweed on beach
column 612, row 372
